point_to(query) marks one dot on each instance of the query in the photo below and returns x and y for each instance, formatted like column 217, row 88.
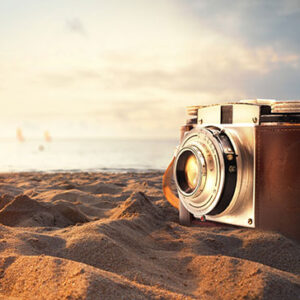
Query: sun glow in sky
column 128, row 68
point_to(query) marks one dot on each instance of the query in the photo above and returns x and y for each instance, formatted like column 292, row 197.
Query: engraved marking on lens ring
column 207, row 193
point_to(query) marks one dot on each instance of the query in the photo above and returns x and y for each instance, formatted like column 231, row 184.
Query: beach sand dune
column 113, row 236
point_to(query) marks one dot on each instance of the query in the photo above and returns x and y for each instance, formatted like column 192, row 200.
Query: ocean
column 108, row 155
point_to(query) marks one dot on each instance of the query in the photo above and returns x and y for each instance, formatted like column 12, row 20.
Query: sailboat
column 20, row 136
column 47, row 136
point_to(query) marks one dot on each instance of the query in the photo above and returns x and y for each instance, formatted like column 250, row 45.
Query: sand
column 113, row 236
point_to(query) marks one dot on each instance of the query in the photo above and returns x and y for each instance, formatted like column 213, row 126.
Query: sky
column 128, row 68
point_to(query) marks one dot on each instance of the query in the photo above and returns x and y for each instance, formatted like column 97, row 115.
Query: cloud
column 225, row 72
column 75, row 25
column 151, row 117
column 143, row 63
column 273, row 23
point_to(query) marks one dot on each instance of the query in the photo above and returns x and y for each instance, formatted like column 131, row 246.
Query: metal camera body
column 247, row 161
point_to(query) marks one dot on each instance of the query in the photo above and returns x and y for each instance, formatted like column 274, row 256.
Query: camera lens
column 187, row 171
column 191, row 171
column 205, row 171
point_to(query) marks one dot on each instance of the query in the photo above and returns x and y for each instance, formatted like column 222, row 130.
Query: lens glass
column 187, row 171
column 191, row 171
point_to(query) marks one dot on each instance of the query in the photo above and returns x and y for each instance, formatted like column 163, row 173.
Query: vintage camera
column 239, row 163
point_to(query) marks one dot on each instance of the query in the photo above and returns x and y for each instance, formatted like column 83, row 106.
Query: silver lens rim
column 196, row 153
column 202, row 201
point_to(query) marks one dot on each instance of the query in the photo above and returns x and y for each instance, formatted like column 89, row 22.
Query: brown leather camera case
column 277, row 188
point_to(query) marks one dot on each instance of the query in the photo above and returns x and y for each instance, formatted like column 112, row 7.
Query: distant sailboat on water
column 20, row 136
column 47, row 136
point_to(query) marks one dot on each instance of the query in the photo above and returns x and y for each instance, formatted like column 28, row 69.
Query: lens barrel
column 188, row 171
column 205, row 171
